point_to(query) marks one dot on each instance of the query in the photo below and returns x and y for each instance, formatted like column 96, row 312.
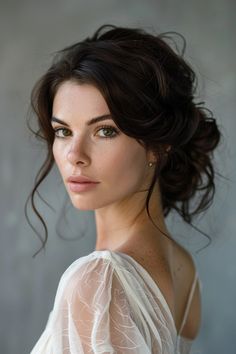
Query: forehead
column 72, row 97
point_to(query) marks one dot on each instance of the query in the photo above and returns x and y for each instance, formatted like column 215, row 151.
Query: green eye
column 108, row 132
column 65, row 131
column 108, row 129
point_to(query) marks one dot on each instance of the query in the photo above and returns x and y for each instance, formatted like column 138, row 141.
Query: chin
column 78, row 204
column 81, row 203
column 89, row 203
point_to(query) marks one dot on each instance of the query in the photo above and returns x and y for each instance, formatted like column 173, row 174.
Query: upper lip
column 80, row 179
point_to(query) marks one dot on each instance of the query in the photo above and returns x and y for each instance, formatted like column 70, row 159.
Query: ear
column 151, row 156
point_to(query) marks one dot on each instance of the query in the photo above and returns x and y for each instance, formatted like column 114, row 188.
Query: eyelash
column 109, row 127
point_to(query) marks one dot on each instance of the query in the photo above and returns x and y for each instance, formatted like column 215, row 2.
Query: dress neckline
column 154, row 283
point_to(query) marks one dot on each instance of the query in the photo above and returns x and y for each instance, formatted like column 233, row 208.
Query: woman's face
column 99, row 151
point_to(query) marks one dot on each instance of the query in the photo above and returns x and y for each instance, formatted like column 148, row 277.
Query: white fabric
column 106, row 302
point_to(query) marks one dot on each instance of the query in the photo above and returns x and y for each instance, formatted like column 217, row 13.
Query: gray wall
column 29, row 32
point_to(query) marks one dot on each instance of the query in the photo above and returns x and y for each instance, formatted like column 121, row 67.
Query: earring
column 150, row 164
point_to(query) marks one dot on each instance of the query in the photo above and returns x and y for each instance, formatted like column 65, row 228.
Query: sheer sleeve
column 99, row 308
column 91, row 314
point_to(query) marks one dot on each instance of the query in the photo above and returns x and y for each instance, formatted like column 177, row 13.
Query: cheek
column 58, row 156
column 127, row 166
column 54, row 152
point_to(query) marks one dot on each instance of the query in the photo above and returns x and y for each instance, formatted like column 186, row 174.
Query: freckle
column 178, row 269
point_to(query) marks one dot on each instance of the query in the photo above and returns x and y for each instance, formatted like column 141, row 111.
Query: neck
column 127, row 223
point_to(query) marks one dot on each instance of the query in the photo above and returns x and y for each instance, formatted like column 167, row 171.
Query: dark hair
column 149, row 89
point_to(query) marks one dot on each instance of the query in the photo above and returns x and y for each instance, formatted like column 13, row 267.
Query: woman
column 117, row 113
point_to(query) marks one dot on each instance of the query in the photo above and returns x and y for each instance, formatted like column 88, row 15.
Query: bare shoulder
column 183, row 261
column 184, row 271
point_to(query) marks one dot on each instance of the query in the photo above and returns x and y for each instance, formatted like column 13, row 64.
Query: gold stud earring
column 150, row 164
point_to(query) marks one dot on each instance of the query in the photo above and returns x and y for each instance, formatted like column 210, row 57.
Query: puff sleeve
column 92, row 313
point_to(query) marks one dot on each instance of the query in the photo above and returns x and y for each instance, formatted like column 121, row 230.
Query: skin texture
column 120, row 164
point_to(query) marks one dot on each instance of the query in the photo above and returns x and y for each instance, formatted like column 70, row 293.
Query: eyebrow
column 90, row 122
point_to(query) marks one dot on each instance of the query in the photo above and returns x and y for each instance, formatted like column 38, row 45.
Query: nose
column 76, row 153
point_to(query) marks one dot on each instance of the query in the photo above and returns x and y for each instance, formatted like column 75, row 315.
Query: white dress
column 106, row 302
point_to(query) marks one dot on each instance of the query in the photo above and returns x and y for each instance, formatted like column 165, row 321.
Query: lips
column 79, row 184
column 80, row 179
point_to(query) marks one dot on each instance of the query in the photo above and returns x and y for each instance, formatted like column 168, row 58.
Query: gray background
column 30, row 31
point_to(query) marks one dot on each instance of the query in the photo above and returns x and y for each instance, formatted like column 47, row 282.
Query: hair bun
column 189, row 168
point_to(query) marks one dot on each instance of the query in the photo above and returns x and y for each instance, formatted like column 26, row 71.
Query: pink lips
column 80, row 183
column 80, row 179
